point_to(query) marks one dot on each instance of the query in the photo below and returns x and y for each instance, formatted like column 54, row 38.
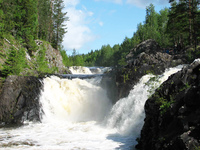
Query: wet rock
column 19, row 100
column 145, row 58
column 177, row 125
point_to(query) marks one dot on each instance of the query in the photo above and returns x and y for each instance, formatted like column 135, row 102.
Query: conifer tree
column 186, row 12
column 44, row 20
column 7, row 8
column 1, row 19
column 59, row 19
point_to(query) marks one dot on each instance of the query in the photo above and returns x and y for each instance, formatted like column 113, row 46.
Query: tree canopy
column 28, row 20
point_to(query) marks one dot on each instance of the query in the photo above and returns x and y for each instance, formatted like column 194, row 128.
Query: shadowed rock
column 173, row 113
column 19, row 100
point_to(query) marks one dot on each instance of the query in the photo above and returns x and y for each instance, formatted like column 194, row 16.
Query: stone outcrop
column 149, row 46
column 173, row 113
column 145, row 58
column 19, row 100
column 53, row 57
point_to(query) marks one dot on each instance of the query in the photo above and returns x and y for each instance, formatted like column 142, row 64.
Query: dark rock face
column 145, row 58
column 173, row 113
column 108, row 83
column 19, row 100
column 149, row 46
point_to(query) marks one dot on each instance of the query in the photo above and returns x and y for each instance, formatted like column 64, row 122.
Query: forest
column 23, row 22
column 28, row 20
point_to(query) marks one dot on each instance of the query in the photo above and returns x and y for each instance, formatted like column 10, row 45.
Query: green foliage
column 184, row 21
column 15, row 63
column 174, row 27
column 186, row 86
column 163, row 103
column 126, row 78
column 42, row 64
column 58, row 23
column 197, row 148
column 66, row 60
column 26, row 21
column 45, row 25
column 165, row 106
column 154, row 27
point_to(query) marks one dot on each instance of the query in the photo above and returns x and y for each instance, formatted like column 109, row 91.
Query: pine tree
column 151, row 23
column 44, row 20
column 7, row 8
column 30, row 24
column 1, row 19
column 178, row 24
column 162, row 27
column 59, row 19
column 187, row 11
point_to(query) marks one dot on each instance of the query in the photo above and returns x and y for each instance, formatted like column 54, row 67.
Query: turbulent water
column 77, row 114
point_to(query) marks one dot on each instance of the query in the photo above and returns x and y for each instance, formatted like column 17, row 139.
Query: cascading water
column 80, row 70
column 74, row 100
column 88, row 70
column 77, row 114
column 127, row 114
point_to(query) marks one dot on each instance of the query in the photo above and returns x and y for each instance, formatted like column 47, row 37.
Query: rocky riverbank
column 20, row 100
column 173, row 113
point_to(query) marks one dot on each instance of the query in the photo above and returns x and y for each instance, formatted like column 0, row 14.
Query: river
column 76, row 114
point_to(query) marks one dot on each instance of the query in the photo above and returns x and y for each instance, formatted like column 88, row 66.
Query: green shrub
column 14, row 63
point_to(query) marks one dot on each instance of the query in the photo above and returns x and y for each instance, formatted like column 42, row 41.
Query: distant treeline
column 174, row 26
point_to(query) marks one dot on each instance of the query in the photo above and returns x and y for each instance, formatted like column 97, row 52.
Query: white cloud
column 71, row 3
column 144, row 3
column 101, row 23
column 112, row 1
column 78, row 31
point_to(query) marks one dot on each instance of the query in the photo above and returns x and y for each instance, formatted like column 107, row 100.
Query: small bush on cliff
column 14, row 63
column 163, row 102
column 42, row 63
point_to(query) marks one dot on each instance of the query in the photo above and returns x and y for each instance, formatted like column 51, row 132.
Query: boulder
column 172, row 119
column 149, row 46
column 145, row 58
column 19, row 100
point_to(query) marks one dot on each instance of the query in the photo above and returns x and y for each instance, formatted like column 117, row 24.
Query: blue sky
column 93, row 23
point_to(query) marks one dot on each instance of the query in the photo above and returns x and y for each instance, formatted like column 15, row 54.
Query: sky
column 94, row 23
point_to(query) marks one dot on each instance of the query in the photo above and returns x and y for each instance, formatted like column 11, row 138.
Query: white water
column 88, row 70
column 80, row 70
column 77, row 114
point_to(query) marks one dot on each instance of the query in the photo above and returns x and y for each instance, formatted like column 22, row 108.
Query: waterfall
column 77, row 114
column 127, row 114
column 88, row 70
column 74, row 100
column 80, row 70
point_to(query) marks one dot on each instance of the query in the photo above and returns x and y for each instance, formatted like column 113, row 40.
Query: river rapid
column 76, row 114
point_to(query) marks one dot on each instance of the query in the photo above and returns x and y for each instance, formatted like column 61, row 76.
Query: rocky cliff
column 20, row 100
column 147, row 57
column 173, row 113
column 53, row 56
